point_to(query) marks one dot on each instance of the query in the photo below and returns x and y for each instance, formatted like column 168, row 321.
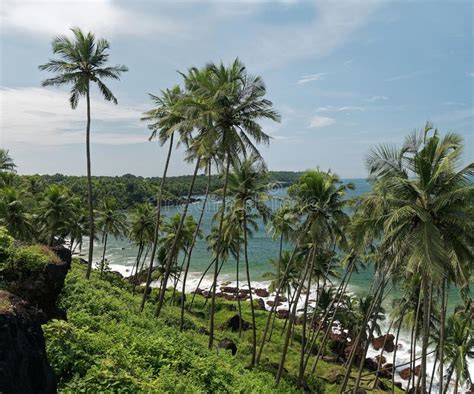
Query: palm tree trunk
column 175, row 242
column 339, row 294
column 273, row 307
column 89, row 185
column 395, row 350
column 239, row 303
column 103, row 256
column 442, row 335
column 414, row 333
column 195, row 235
column 199, row 283
column 426, row 330
column 252, row 306
column 292, row 318
column 448, row 379
column 303, row 337
column 216, row 263
column 157, row 224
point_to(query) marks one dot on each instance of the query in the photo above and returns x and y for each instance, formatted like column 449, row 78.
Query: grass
column 108, row 346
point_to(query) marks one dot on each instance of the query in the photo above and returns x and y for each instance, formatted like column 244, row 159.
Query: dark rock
column 41, row 288
column 229, row 289
column 380, row 360
column 228, row 297
column 386, row 371
column 370, row 364
column 385, row 341
column 360, row 390
column 260, row 304
column 262, row 292
column 24, row 366
column 244, row 292
column 64, row 254
column 228, row 344
column 282, row 313
column 399, row 385
column 281, row 298
column 234, row 323
column 418, row 370
column 405, row 373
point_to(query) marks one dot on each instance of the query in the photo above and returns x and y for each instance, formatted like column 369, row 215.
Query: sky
column 344, row 75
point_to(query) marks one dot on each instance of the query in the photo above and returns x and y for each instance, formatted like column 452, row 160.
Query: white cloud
column 100, row 16
column 471, row 74
column 406, row 76
column 377, row 98
column 40, row 116
column 346, row 108
column 321, row 121
column 311, row 77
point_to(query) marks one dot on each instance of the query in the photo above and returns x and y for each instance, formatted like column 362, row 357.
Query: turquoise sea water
column 121, row 253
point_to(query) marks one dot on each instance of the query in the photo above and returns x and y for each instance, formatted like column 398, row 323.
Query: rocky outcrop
column 262, row 292
column 385, row 341
column 24, row 367
column 41, row 288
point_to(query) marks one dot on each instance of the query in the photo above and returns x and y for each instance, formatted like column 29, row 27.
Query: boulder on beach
column 228, row 344
column 235, row 322
column 282, row 313
column 380, row 360
column 385, row 342
column 229, row 289
column 262, row 292
column 405, row 373
column 386, row 371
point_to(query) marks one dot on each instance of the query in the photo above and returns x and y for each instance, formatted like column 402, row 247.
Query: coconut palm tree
column 458, row 349
column 228, row 105
column 141, row 232
column 111, row 220
column 55, row 213
column 164, row 121
column 14, row 213
column 429, row 221
column 82, row 62
column 6, row 162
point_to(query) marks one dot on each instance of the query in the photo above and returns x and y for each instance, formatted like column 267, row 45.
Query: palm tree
column 248, row 185
column 319, row 197
column 429, row 224
column 6, row 162
column 14, row 213
column 227, row 104
column 83, row 60
column 459, row 347
column 141, row 232
column 164, row 120
column 55, row 213
column 111, row 220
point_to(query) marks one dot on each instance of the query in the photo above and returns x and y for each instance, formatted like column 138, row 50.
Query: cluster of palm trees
column 415, row 228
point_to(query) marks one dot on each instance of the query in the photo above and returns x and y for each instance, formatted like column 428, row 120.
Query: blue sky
column 345, row 75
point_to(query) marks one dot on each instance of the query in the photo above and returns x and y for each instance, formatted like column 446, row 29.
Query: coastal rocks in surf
column 260, row 304
column 282, row 313
column 385, row 341
column 271, row 303
column 405, row 374
column 235, row 323
column 262, row 292
column 24, row 366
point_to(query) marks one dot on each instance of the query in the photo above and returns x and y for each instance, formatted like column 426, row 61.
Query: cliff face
column 29, row 302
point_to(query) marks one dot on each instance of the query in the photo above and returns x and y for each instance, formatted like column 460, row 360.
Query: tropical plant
column 6, row 162
column 82, row 62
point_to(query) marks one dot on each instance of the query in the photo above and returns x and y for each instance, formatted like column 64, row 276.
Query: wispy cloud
column 311, row 77
column 406, row 76
column 346, row 108
column 320, row 121
column 373, row 99
column 471, row 74
column 40, row 116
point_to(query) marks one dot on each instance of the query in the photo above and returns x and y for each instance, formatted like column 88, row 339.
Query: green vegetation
column 107, row 345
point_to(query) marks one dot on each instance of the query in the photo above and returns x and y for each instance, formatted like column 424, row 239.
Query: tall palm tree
column 82, row 62
column 111, row 220
column 164, row 120
column 248, row 186
column 429, row 224
column 229, row 103
column 6, row 162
